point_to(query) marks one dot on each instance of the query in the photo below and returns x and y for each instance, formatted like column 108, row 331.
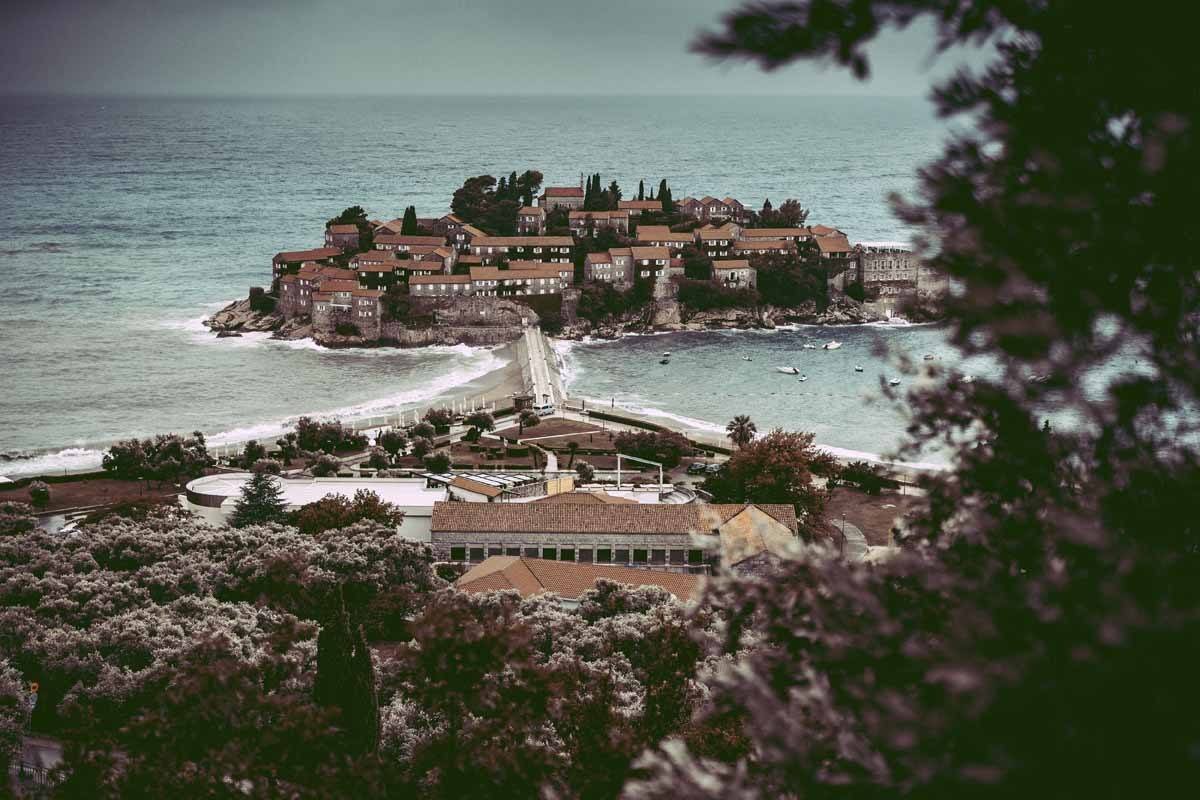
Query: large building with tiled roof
column 566, row 582
column 343, row 237
column 569, row 197
column 628, row 535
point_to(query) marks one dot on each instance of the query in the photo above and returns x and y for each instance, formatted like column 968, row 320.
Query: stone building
column 662, row 236
column 735, row 274
column 630, row 535
column 340, row 305
column 887, row 267
column 587, row 223
column 491, row 249
column 439, row 285
column 343, row 237
column 636, row 207
column 568, row 197
column 531, row 221
column 289, row 261
column 605, row 268
column 717, row 242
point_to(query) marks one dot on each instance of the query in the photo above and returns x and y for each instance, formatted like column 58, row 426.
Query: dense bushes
column 600, row 301
column 707, row 296
column 338, row 511
column 165, row 458
column 328, row 435
column 665, row 447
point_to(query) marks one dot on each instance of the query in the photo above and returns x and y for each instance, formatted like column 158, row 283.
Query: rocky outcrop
column 239, row 317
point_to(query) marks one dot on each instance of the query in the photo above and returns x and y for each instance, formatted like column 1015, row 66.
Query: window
column 695, row 556
column 658, row 556
column 531, row 552
column 566, row 554
column 677, row 556
column 604, row 556
column 495, row 551
column 458, row 554
column 639, row 556
column 548, row 553
column 585, row 555
column 512, row 551
column 477, row 554
column 622, row 557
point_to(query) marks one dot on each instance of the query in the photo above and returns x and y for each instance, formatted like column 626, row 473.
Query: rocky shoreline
column 670, row 315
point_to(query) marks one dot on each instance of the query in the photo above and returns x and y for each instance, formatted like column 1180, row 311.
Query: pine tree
column 641, row 190
column 409, row 226
column 668, row 202
column 261, row 502
column 614, row 196
column 662, row 188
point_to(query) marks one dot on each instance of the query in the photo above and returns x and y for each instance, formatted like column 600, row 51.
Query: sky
column 390, row 47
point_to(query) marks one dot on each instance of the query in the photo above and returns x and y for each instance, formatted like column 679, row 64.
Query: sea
column 124, row 222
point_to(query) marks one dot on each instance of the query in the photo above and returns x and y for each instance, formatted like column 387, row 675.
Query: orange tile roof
column 531, row 576
column 342, row 229
column 531, row 211
column 598, row 258
column 567, row 518
column 762, row 244
column 562, row 191
column 774, row 233
column 733, row 263
column 834, row 244
column 586, row 499
column 338, row 285
column 650, row 252
column 620, row 213
column 661, row 233
column 431, row 241
column 376, row 293
column 523, row 241
column 641, row 205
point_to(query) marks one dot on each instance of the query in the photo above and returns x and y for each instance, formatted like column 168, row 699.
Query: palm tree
column 741, row 430
column 572, row 448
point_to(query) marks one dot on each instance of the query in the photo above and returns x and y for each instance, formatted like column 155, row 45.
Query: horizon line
column 117, row 95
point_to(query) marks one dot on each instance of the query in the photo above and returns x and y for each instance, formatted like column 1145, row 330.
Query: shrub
column 705, row 296
column 39, row 494
column 867, row 477
column 437, row 462
column 421, row 446
column 439, row 417
column 586, row 472
column 325, row 466
column 335, row 511
column 268, row 465
column 665, row 447
column 16, row 518
column 378, row 459
column 346, row 329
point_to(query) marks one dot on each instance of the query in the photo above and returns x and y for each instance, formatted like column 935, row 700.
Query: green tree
column 345, row 678
column 572, row 450
column 696, row 265
column 663, row 446
column 641, row 190
column 336, row 511
column 741, row 430
column 288, row 447
column 393, row 442
column 260, row 502
column 613, row 196
column 378, row 458
column 423, row 430
column 481, row 421
column 252, row 452
column 437, row 462
column 421, row 446
column 585, row 471
column 267, row 465
column 527, row 419
column 439, row 417
column 409, row 226
column 325, row 466
column 354, row 215
column 776, row 468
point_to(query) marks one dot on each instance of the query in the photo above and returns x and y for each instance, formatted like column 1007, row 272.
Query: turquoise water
column 123, row 222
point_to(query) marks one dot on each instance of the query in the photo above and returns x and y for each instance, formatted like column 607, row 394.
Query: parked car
column 544, row 410
column 697, row 468
column 713, row 469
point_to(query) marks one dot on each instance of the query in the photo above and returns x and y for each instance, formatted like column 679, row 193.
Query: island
column 577, row 261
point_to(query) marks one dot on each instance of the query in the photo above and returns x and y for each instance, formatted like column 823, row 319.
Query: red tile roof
column 834, row 244
column 601, row 519
column 337, row 285
column 733, row 263
column 432, row 241
column 531, row 211
column 661, row 233
column 587, row 499
column 562, row 191
column 650, row 252
column 641, row 205
column 523, row 241
column 774, row 233
column 420, row 280
column 319, row 254
column 342, row 229
column 531, row 576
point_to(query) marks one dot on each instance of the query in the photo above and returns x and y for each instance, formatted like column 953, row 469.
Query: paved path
column 856, row 544
column 543, row 368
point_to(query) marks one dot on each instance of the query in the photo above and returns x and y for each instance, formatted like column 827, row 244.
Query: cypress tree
column 668, row 202
column 261, row 501
column 641, row 190
column 346, row 677
column 614, row 196
column 662, row 189
column 409, row 226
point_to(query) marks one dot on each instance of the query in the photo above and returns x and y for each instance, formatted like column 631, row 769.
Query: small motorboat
column 788, row 370
column 929, row 356
column 897, row 320
column 832, row 345
column 747, row 358
column 858, row 368
column 665, row 361
column 803, row 377
column 667, row 354
column 810, row 347
column 894, row 382
column 968, row 378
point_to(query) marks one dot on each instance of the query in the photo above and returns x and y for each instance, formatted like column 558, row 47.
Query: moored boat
column 788, row 370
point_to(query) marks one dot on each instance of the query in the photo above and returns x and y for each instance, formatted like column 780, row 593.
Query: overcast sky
column 271, row 47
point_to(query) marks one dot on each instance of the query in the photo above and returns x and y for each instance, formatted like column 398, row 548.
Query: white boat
column 810, row 347
column 747, row 358
column 788, row 370
column 929, row 356
column 667, row 354
column 968, row 378
column 832, row 345
column 803, row 377
column 894, row 382
column 858, row 368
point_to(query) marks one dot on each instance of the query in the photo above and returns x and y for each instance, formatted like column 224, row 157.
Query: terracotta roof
column 471, row 229
column 470, row 258
column 586, row 499
column 709, row 199
column 650, row 252
column 443, row 251
column 289, row 279
column 337, row 285
column 391, row 266
column 774, row 233
column 416, row 280
column 342, row 229
column 318, row 297
column 531, row 576
column 762, row 244
column 487, row 490
column 319, row 254
column 367, row 293
column 598, row 258
column 395, row 226
column 711, row 232
column 566, row 518
column 562, row 191
column 497, row 274
column 534, row 265
column 523, row 241
column 454, row 218
column 572, row 215
column 823, row 230
column 834, row 244
column 531, row 211
column 432, row 241
column 729, row 201
column 661, row 233
column 641, row 205
column 734, row 263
